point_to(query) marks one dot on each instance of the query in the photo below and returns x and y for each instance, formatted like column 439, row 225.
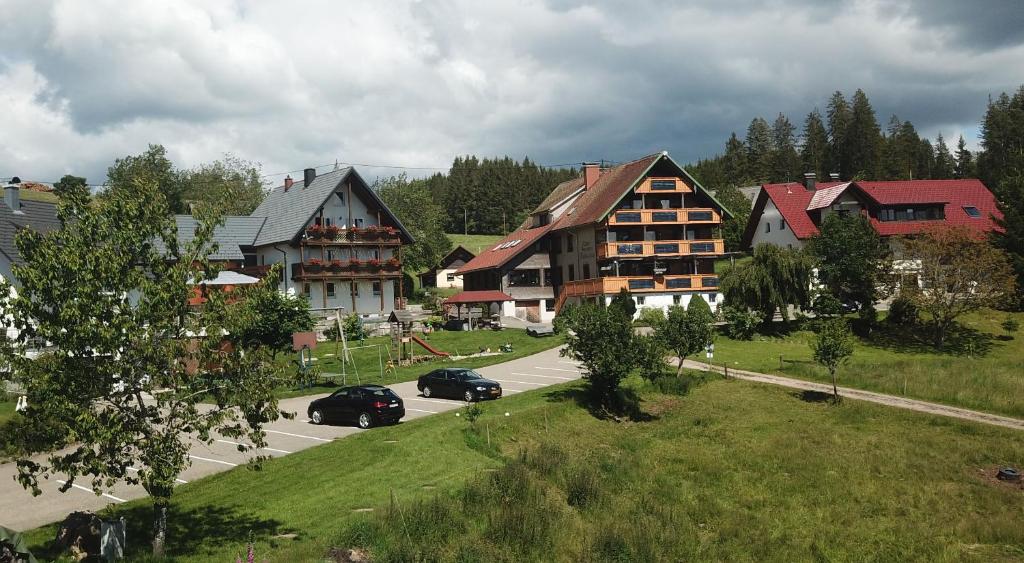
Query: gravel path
column 860, row 395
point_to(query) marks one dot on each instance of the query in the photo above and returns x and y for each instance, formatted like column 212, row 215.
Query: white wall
column 780, row 235
column 442, row 279
column 665, row 300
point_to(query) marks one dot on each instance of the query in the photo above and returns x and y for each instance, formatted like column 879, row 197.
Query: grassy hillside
column 31, row 195
column 733, row 471
column 982, row 369
column 474, row 243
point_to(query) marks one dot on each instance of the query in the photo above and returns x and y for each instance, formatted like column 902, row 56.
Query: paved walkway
column 21, row 511
column 880, row 398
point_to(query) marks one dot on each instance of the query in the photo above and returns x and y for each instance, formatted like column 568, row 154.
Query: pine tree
column 943, row 169
column 735, row 162
column 924, row 166
column 839, row 118
column 759, row 150
column 861, row 148
column 964, row 160
column 785, row 162
column 814, row 154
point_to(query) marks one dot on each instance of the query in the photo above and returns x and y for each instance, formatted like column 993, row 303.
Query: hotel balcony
column 611, row 285
column 305, row 272
column 687, row 216
column 660, row 248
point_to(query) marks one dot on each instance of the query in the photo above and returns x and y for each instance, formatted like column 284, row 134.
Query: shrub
column 671, row 385
column 650, row 357
column 651, row 316
column 741, row 324
column 582, row 486
column 1010, row 325
column 353, row 327
column 902, row 311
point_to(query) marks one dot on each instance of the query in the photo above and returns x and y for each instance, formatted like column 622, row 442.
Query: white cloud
column 415, row 83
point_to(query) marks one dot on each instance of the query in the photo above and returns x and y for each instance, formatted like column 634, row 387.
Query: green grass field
column 733, row 471
column 31, row 195
column 367, row 360
column 7, row 410
column 474, row 243
column 984, row 373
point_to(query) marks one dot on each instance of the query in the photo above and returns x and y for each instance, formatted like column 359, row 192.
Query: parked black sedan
column 459, row 383
column 366, row 405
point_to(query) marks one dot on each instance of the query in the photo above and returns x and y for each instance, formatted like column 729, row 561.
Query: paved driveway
column 21, row 511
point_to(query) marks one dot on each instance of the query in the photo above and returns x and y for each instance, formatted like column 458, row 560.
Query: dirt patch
column 342, row 555
column 661, row 405
column 988, row 475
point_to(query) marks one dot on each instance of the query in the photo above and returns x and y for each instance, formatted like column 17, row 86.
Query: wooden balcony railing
column 688, row 215
column 638, row 284
column 648, row 248
column 663, row 186
column 311, row 272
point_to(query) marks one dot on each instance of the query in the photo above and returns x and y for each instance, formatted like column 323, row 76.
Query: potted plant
column 393, row 263
column 315, row 231
column 314, row 266
column 391, row 232
column 353, row 233
column 373, row 264
column 337, row 265
column 331, row 232
column 354, row 264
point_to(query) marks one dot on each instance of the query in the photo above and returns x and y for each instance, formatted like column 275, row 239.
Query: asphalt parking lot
column 21, row 511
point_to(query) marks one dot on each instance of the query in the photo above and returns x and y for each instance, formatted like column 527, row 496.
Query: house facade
column 337, row 242
column 790, row 214
column 646, row 226
column 444, row 274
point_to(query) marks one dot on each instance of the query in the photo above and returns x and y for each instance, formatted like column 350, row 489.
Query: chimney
column 12, row 194
column 308, row 175
column 834, row 176
column 591, row 172
column 288, row 183
column 810, row 181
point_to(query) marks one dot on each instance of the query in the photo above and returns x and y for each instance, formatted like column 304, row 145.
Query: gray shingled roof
column 287, row 212
column 234, row 233
column 36, row 215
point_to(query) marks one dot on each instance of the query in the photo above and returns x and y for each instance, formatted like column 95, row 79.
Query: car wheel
column 426, row 391
column 316, row 417
column 365, row 420
column 469, row 396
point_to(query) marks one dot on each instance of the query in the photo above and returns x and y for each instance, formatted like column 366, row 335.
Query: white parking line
column 558, row 369
column 449, row 403
column 569, row 363
column 419, row 410
column 298, row 436
column 250, row 447
column 88, row 490
column 182, row 481
column 213, row 460
column 545, row 376
column 522, row 382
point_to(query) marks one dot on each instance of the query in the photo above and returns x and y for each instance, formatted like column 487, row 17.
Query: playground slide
column 429, row 348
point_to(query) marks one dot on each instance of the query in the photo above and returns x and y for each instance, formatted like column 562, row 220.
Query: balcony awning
column 227, row 277
column 487, row 296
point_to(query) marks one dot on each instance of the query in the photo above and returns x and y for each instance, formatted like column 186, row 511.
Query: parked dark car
column 458, row 383
column 365, row 405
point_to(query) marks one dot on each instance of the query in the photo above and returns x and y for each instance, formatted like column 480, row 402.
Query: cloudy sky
column 400, row 83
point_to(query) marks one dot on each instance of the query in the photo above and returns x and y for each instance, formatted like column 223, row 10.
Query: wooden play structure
column 402, row 339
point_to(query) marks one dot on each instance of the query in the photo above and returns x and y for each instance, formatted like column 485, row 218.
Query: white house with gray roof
column 339, row 243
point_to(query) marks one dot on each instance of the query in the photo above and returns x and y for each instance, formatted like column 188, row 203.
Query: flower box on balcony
column 355, row 265
column 337, row 265
column 373, row 264
column 391, row 231
column 314, row 266
column 392, row 264
column 331, row 232
column 315, row 231
column 353, row 233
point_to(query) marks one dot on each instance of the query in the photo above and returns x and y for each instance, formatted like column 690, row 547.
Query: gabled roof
column 794, row 202
column 613, row 184
column 483, row 296
column 288, row 211
column 505, row 249
column 456, row 254
column 36, row 215
column 561, row 193
column 232, row 234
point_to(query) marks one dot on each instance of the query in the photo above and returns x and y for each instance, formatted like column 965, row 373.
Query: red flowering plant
column 353, row 233
column 337, row 265
column 331, row 232
column 314, row 265
column 393, row 263
column 391, row 231
column 315, row 231
column 355, row 264
column 373, row 263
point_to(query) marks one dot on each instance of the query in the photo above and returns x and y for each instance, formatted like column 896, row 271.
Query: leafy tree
column 814, row 154
column 1010, row 198
column 266, row 318
column 964, row 160
column 152, row 166
column 69, row 183
column 650, row 356
column 774, row 279
column 960, row 272
column 741, row 323
column 832, row 347
column 851, row 258
column 624, row 302
column 412, row 203
column 231, row 186
column 602, row 339
column 944, row 163
column 733, row 199
column 687, row 331
column 116, row 307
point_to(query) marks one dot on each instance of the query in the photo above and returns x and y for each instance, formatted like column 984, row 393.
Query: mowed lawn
column 733, row 471
column 986, row 376
column 475, row 243
column 368, row 360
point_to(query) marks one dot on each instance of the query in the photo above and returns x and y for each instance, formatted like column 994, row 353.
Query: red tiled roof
column 793, row 202
column 605, row 193
column 487, row 296
column 498, row 254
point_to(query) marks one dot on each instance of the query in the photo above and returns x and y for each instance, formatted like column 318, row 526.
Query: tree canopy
column 851, row 258
column 412, row 203
column 775, row 278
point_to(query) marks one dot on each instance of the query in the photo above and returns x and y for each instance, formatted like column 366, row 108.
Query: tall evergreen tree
column 785, row 161
column 814, row 153
column 964, row 160
column 839, row 118
column 759, row 150
column 737, row 171
column 925, row 164
column 861, row 148
column 944, row 165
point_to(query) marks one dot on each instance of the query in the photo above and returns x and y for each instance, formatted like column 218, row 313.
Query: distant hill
column 474, row 243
